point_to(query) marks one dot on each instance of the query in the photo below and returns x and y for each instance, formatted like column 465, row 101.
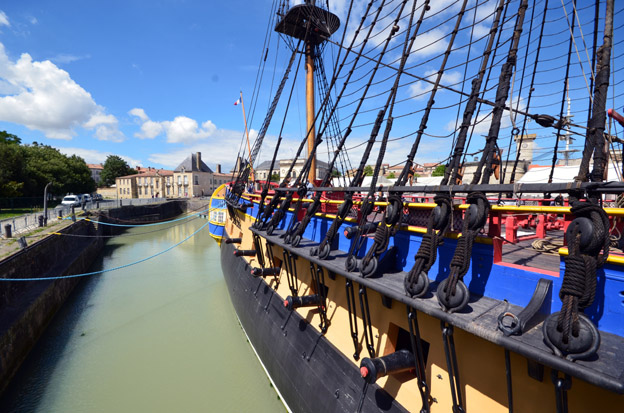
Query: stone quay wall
column 27, row 307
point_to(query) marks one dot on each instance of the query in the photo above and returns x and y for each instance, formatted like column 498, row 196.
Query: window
column 140, row 191
column 168, row 190
column 179, row 182
column 196, row 180
column 185, row 179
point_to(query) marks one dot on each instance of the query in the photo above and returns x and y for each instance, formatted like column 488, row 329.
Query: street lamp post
column 45, row 204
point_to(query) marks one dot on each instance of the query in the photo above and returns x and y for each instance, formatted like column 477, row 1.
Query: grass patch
column 16, row 212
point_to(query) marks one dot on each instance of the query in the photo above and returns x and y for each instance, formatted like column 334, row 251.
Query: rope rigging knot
column 386, row 229
column 569, row 332
column 393, row 210
column 416, row 282
column 452, row 293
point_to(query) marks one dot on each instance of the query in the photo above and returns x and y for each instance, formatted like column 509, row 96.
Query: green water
column 161, row 336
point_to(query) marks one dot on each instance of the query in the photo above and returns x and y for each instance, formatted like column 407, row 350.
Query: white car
column 86, row 197
column 71, row 200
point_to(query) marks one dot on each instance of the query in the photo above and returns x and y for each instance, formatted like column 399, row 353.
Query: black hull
column 309, row 372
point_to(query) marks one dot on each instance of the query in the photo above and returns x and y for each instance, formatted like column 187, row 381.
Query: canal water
column 160, row 336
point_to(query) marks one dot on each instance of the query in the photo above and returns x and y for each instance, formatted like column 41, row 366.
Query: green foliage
column 368, row 170
column 25, row 170
column 68, row 174
column 335, row 174
column 6, row 137
column 12, row 167
column 439, row 170
column 275, row 178
column 114, row 167
column 391, row 175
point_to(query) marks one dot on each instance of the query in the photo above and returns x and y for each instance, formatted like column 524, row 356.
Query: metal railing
column 28, row 222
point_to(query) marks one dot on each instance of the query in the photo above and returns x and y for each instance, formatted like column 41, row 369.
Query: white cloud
column 420, row 89
column 186, row 130
column 106, row 127
column 225, row 156
column 484, row 120
column 429, row 43
column 4, row 20
column 94, row 156
column 181, row 129
column 67, row 58
column 139, row 113
column 220, row 148
column 43, row 97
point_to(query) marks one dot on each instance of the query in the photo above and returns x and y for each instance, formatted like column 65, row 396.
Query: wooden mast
column 310, row 107
column 247, row 134
column 313, row 25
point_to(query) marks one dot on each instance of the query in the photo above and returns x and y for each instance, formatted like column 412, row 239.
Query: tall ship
column 444, row 232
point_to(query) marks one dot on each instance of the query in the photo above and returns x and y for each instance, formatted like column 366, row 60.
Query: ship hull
column 319, row 372
column 309, row 372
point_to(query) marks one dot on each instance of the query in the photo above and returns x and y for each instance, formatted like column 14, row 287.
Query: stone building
column 96, row 171
column 192, row 178
column 147, row 183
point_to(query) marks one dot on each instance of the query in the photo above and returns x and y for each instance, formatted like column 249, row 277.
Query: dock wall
column 27, row 307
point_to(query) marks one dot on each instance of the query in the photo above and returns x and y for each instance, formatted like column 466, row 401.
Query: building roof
column 319, row 163
column 95, row 166
column 540, row 174
column 191, row 164
column 149, row 172
column 266, row 165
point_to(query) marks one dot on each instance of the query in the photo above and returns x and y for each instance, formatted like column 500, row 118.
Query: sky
column 155, row 81
column 151, row 82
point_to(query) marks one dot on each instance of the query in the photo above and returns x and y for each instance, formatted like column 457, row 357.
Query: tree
column 391, row 175
column 368, row 170
column 275, row 178
column 114, row 167
column 68, row 174
column 12, row 171
column 439, row 170
column 25, row 170
column 9, row 138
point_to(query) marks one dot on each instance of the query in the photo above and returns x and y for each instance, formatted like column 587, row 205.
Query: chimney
column 218, row 168
column 138, row 169
column 197, row 159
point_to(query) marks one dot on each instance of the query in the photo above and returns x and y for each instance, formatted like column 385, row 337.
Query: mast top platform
column 322, row 23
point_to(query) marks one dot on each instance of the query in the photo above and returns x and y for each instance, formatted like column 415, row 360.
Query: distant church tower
column 526, row 150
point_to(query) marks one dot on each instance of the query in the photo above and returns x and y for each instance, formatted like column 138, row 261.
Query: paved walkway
column 32, row 234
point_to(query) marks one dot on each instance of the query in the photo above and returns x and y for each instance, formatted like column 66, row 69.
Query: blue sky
column 84, row 76
column 154, row 81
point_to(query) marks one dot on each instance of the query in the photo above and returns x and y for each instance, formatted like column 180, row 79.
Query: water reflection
column 160, row 336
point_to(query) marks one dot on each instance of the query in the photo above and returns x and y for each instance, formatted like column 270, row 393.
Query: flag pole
column 247, row 134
